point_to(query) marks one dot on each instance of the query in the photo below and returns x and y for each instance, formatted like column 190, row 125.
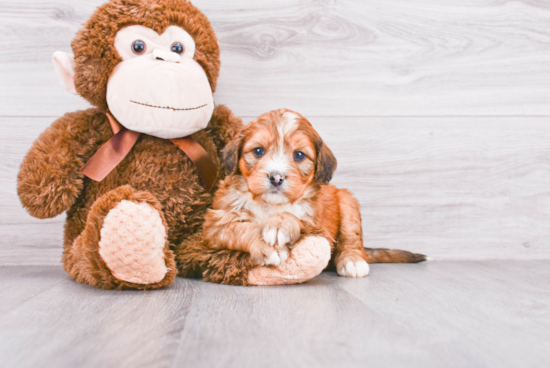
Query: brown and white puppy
column 278, row 192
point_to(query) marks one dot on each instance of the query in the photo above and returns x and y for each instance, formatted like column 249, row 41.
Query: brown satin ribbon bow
column 110, row 154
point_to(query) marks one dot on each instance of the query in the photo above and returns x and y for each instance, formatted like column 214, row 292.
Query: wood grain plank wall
column 324, row 58
column 437, row 110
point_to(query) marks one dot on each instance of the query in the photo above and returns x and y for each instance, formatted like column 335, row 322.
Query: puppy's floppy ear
column 325, row 164
column 232, row 153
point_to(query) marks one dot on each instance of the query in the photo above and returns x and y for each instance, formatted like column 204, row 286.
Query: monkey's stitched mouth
column 168, row 107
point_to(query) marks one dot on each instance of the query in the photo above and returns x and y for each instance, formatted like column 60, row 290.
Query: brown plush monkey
column 136, row 173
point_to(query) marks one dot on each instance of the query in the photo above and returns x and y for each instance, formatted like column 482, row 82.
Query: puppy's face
column 280, row 156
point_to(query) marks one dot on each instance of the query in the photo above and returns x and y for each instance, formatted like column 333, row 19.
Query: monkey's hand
column 49, row 180
column 282, row 230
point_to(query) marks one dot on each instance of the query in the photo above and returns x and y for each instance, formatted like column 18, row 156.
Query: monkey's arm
column 223, row 126
column 49, row 180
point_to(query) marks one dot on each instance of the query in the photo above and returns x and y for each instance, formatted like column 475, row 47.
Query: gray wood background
column 438, row 111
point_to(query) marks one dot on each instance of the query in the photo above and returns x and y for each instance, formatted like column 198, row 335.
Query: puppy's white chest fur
column 263, row 211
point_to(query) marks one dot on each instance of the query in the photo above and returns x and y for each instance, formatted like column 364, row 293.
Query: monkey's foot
column 308, row 258
column 123, row 245
column 132, row 243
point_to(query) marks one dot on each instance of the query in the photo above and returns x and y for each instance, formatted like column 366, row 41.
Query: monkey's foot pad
column 132, row 243
column 308, row 259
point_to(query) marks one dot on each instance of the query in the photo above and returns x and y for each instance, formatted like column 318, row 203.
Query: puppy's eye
column 138, row 47
column 258, row 152
column 299, row 156
column 177, row 47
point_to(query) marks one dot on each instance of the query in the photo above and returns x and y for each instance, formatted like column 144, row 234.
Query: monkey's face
column 158, row 88
column 153, row 64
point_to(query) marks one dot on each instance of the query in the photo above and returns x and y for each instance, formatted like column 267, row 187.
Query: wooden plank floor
column 435, row 314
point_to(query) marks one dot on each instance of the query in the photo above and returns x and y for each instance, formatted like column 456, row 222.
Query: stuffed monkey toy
column 136, row 173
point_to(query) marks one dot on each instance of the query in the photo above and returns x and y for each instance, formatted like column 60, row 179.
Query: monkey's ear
column 65, row 69
column 325, row 165
column 231, row 154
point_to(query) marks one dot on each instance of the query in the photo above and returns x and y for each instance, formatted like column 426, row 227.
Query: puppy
column 277, row 192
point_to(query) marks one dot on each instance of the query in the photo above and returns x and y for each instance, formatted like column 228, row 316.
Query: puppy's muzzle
column 276, row 179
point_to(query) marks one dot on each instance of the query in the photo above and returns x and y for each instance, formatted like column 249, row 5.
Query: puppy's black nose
column 276, row 179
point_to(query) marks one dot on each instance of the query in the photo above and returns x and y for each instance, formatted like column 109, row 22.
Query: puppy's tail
column 383, row 255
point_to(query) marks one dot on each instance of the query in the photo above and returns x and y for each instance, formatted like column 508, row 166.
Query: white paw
column 282, row 238
column 277, row 257
column 273, row 259
column 349, row 268
column 283, row 254
column 273, row 236
column 270, row 235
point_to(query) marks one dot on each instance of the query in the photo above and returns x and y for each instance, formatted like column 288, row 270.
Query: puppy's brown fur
column 251, row 214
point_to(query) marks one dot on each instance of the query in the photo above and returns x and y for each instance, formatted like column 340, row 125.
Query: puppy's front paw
column 265, row 254
column 282, row 230
column 277, row 257
column 278, row 239
column 277, row 236
column 352, row 266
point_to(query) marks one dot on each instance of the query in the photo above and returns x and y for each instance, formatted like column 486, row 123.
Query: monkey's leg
column 123, row 245
column 195, row 259
column 308, row 258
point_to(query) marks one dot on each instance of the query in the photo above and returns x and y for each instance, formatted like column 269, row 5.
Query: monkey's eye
column 258, row 152
column 138, row 47
column 299, row 156
column 177, row 47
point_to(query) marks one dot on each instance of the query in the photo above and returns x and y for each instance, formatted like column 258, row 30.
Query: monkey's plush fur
column 155, row 171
